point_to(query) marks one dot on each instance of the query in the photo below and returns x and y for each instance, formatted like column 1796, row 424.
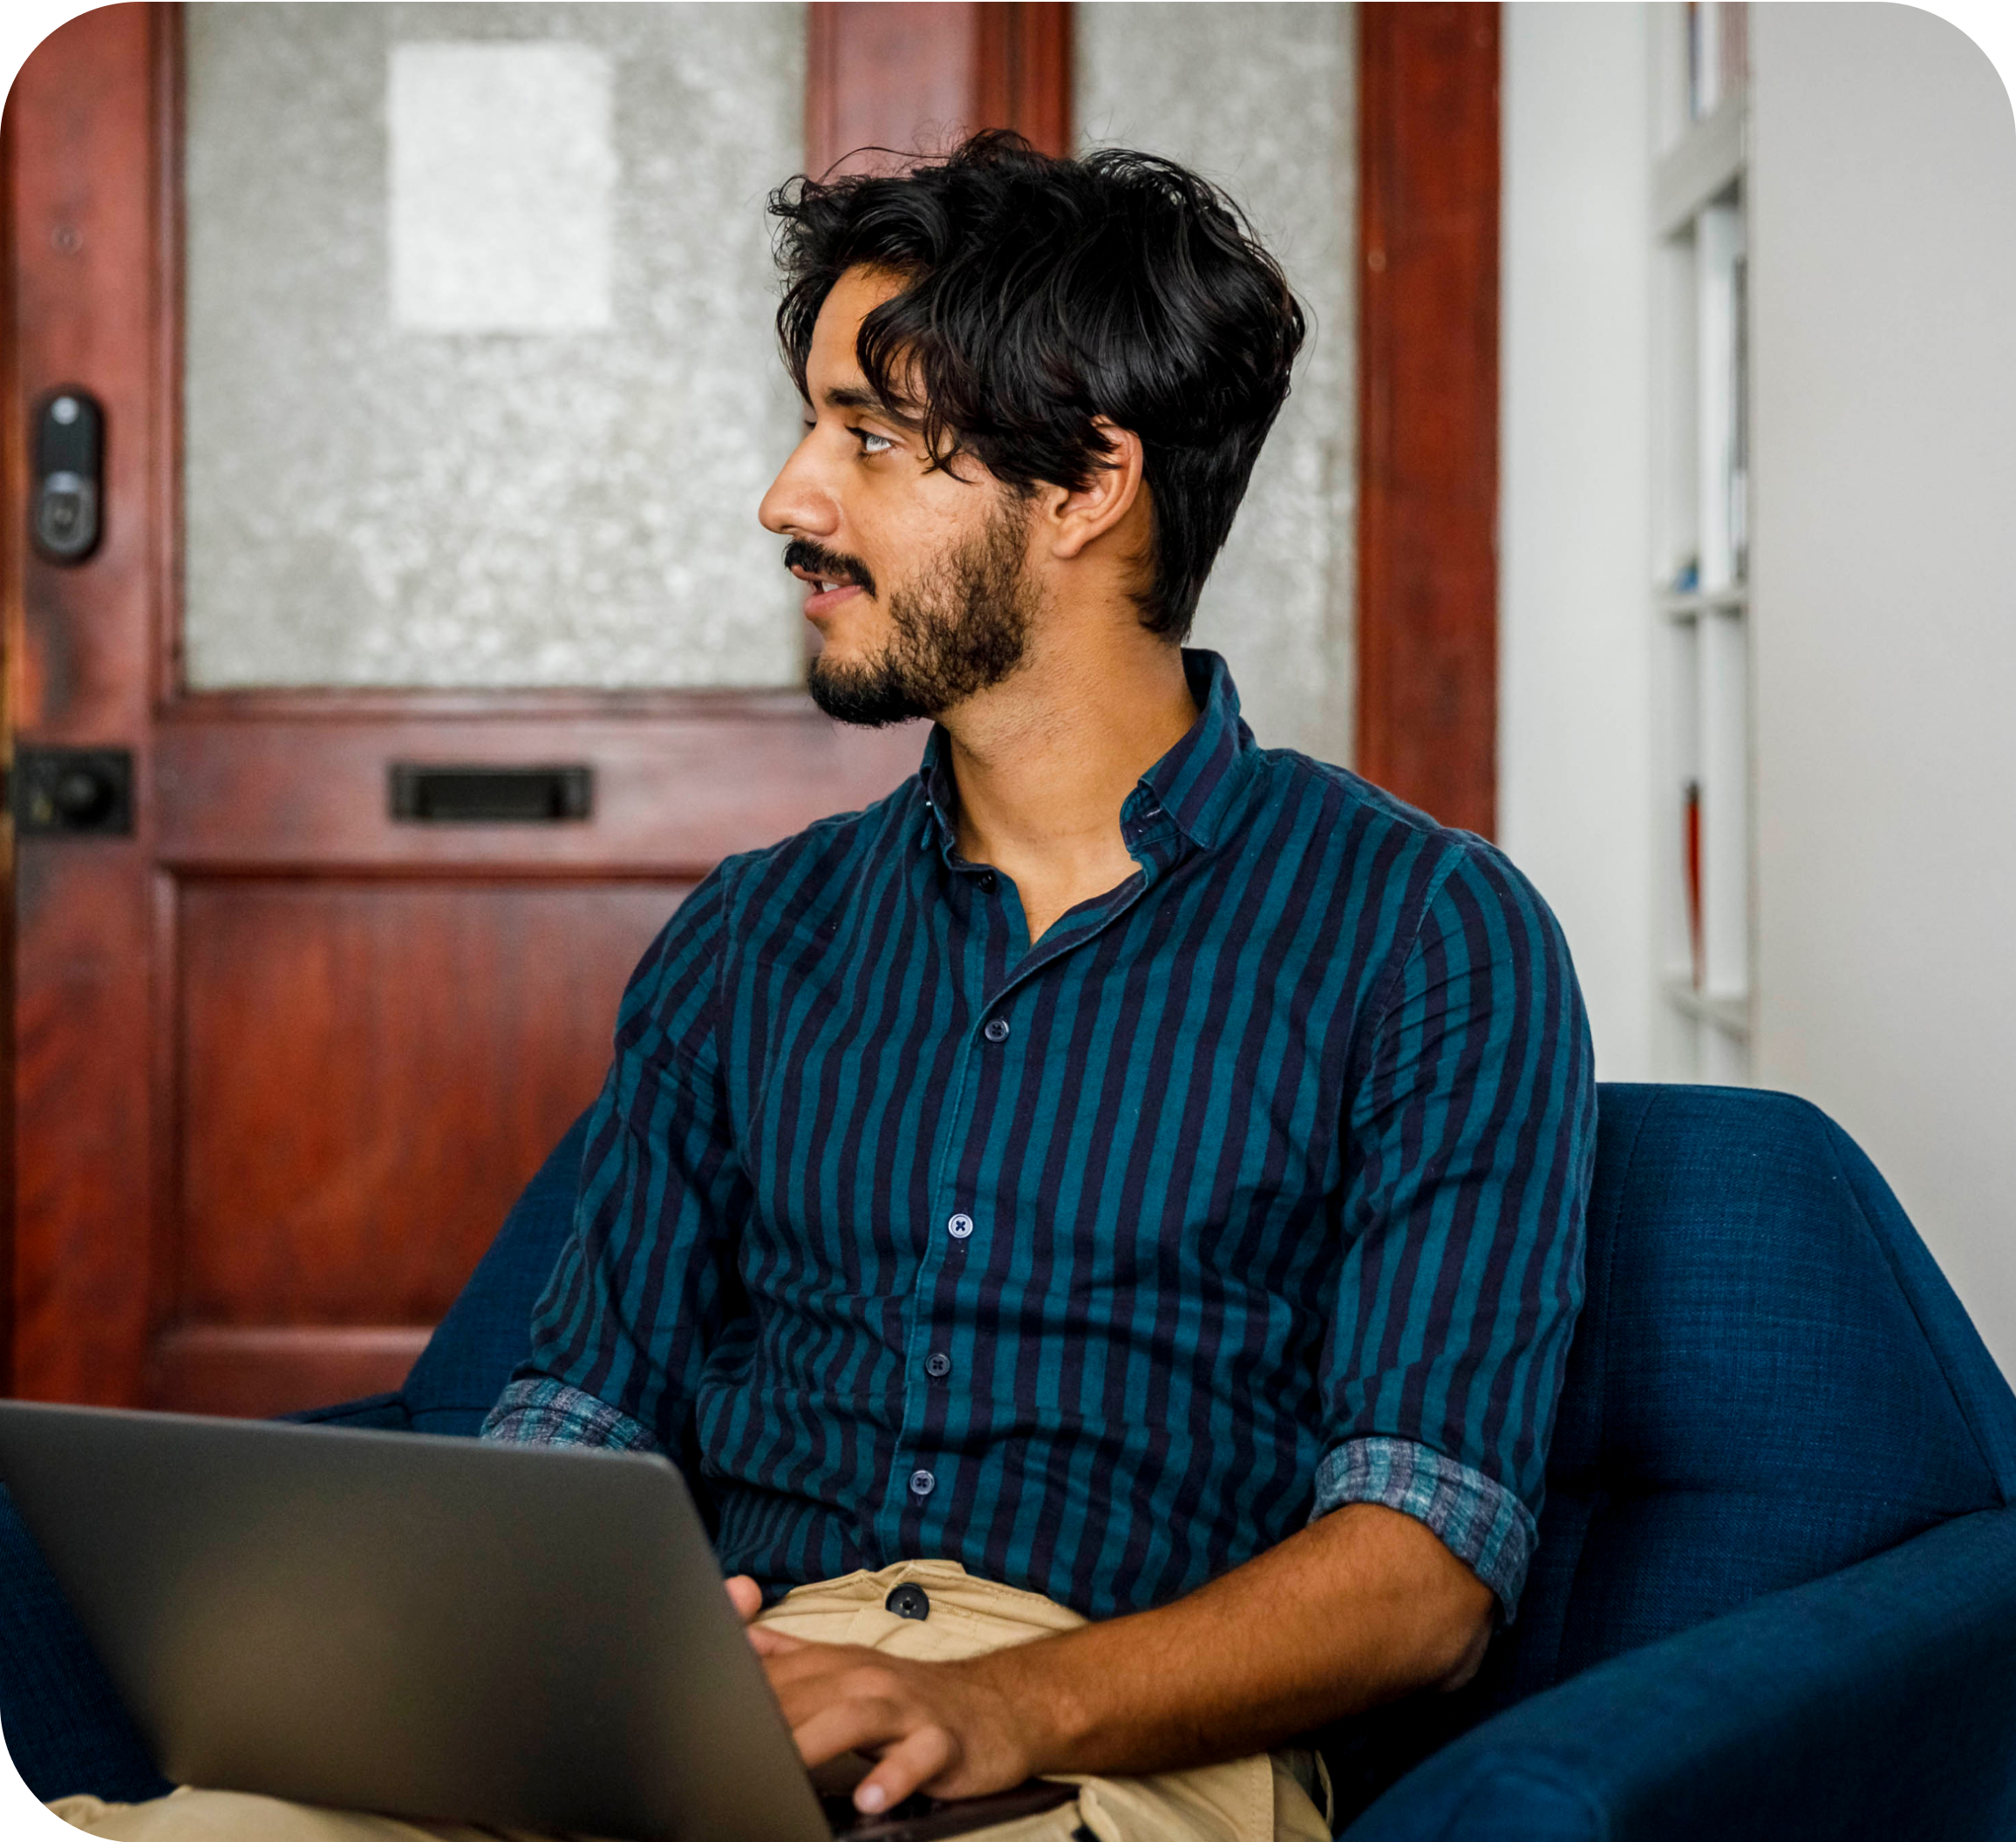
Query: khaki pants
column 1256, row 1799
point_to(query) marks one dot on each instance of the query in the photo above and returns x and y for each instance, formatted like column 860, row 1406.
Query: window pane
column 480, row 388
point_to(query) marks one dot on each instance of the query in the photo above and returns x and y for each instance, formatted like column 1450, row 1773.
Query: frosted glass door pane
column 480, row 381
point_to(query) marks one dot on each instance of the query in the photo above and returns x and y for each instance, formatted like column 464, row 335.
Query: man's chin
column 862, row 696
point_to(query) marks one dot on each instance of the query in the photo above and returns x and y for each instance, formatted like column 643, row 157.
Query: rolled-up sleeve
column 1470, row 1139
column 646, row 1285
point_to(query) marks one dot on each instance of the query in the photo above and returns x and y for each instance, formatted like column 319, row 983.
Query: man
column 1101, row 1229
column 1121, row 1141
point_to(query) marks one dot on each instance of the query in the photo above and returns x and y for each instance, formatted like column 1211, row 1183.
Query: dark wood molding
column 309, row 703
column 1023, row 79
column 1428, row 595
column 274, row 795
column 886, row 82
column 260, row 1370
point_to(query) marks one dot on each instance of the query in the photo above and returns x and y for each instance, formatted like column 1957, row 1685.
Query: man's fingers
column 914, row 1718
column 824, row 1730
column 746, row 1596
column 910, row 1764
column 767, row 1643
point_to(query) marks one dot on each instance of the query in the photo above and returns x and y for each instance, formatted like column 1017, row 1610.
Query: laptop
column 528, row 1636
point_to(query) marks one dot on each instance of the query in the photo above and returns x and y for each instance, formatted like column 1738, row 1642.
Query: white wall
column 1575, row 762
column 1260, row 98
column 1883, row 237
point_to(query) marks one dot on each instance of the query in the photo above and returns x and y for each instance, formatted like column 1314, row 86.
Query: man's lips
column 826, row 594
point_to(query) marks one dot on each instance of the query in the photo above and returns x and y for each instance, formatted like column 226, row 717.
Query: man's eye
column 872, row 443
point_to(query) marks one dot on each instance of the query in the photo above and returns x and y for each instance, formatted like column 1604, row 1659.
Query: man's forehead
column 833, row 377
column 851, row 299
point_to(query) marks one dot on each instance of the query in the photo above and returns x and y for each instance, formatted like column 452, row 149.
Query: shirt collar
column 1193, row 785
column 1195, row 782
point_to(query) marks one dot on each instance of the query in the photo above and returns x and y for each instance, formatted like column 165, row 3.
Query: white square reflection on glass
column 501, row 167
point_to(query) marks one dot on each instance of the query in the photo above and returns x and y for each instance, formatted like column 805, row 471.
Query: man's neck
column 1044, row 760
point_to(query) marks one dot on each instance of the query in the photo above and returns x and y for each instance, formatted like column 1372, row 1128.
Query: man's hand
column 940, row 1727
column 1363, row 1606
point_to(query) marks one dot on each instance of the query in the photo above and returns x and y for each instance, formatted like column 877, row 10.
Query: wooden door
column 285, row 1048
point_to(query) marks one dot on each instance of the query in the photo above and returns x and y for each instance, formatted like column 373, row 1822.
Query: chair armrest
column 1879, row 1701
column 378, row 1411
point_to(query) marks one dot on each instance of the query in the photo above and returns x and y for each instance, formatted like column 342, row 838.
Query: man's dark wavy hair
column 1041, row 293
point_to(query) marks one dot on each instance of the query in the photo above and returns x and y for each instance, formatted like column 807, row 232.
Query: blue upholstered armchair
column 1775, row 1590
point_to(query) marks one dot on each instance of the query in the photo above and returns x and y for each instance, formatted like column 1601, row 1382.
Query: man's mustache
column 829, row 566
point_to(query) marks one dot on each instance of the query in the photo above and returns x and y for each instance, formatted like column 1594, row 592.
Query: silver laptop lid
column 527, row 1637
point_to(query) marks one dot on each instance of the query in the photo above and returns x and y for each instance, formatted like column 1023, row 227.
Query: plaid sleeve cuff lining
column 1482, row 1523
column 538, row 1410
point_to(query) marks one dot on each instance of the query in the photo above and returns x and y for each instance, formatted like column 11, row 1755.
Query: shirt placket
column 960, row 1222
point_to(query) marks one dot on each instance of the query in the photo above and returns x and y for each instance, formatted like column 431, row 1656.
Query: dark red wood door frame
column 1427, row 356
column 84, row 214
column 912, row 77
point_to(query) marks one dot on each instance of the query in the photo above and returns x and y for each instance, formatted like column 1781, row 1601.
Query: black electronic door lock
column 74, row 791
column 65, row 513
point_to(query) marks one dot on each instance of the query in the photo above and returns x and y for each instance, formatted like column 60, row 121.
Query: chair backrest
column 1771, row 1380
column 488, row 1328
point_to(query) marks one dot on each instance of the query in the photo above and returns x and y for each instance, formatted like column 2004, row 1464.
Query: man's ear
column 1077, row 519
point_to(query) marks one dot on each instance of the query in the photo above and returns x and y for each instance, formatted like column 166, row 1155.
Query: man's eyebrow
column 846, row 397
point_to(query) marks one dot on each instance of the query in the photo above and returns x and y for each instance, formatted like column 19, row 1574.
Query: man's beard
column 963, row 626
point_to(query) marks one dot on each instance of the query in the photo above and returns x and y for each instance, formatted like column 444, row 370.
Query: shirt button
column 922, row 1483
column 909, row 1601
column 938, row 1364
column 997, row 1029
column 959, row 1227
column 987, row 880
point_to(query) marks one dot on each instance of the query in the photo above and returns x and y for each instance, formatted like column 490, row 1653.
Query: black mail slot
column 482, row 795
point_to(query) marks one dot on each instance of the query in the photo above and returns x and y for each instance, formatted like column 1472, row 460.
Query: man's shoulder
column 1379, row 839
column 826, row 848
column 1282, row 773
column 777, row 891
column 1333, row 805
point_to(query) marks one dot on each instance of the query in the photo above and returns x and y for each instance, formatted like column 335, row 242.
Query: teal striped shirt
column 1254, row 1188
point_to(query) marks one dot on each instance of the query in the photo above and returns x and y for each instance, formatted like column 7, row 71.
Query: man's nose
column 798, row 504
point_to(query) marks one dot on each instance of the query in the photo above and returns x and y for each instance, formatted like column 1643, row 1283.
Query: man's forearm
column 1362, row 1607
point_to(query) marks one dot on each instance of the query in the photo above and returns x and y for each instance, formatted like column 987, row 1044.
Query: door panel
column 361, row 1063
column 364, row 1066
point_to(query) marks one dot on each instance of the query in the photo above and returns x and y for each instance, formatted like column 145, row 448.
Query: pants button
column 909, row 1601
